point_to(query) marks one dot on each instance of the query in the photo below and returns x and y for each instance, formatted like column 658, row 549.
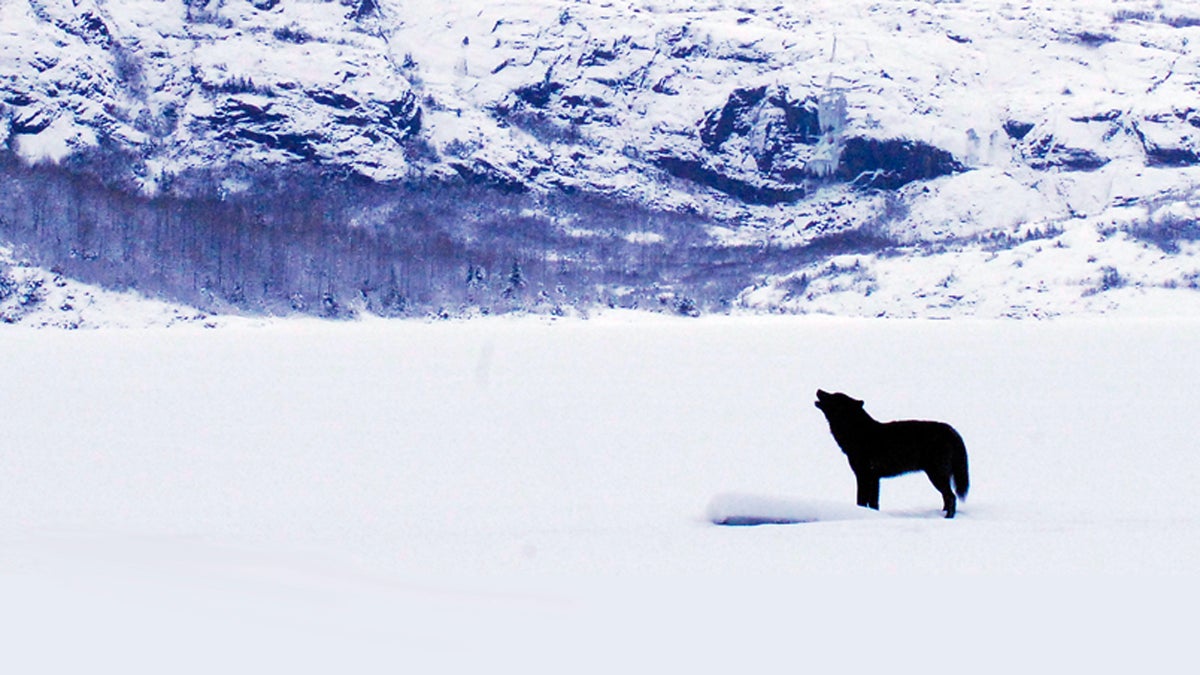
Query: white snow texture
column 513, row 494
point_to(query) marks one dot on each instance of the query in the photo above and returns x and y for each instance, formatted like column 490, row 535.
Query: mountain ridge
column 650, row 154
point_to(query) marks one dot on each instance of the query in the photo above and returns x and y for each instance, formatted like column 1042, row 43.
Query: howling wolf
column 884, row 449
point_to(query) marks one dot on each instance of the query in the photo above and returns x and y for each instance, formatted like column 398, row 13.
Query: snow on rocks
column 933, row 124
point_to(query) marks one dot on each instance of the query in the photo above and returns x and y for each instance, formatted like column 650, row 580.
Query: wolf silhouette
column 884, row 449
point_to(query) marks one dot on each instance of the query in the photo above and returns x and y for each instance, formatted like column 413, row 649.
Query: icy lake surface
column 520, row 495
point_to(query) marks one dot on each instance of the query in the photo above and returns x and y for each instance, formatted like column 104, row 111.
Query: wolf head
column 837, row 405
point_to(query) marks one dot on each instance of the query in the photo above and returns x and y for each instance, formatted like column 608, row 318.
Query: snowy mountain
column 900, row 158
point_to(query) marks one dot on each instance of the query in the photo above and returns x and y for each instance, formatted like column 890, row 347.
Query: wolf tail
column 958, row 468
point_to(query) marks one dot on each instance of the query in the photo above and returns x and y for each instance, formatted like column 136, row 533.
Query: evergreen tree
column 516, row 280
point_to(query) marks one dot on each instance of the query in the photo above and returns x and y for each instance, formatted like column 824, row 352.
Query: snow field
column 522, row 494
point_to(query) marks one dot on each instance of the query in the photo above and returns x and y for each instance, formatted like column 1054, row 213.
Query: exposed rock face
column 1171, row 139
column 765, row 118
column 751, row 192
column 893, row 163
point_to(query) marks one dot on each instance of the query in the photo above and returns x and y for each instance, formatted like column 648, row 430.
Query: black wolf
column 884, row 449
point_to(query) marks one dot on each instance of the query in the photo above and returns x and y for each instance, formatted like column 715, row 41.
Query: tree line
column 311, row 241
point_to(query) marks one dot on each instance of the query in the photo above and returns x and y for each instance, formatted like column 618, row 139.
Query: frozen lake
column 520, row 494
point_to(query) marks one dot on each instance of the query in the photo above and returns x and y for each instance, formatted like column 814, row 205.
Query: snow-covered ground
column 1083, row 271
column 509, row 495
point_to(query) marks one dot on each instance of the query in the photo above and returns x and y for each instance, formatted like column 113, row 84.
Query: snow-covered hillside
column 34, row 297
column 713, row 155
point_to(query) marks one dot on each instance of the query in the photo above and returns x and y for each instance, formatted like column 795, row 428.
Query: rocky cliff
column 401, row 157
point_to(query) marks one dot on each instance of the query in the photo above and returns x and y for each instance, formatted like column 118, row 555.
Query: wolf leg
column 868, row 491
column 941, row 481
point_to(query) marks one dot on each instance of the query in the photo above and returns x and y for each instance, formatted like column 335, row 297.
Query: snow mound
column 745, row 509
